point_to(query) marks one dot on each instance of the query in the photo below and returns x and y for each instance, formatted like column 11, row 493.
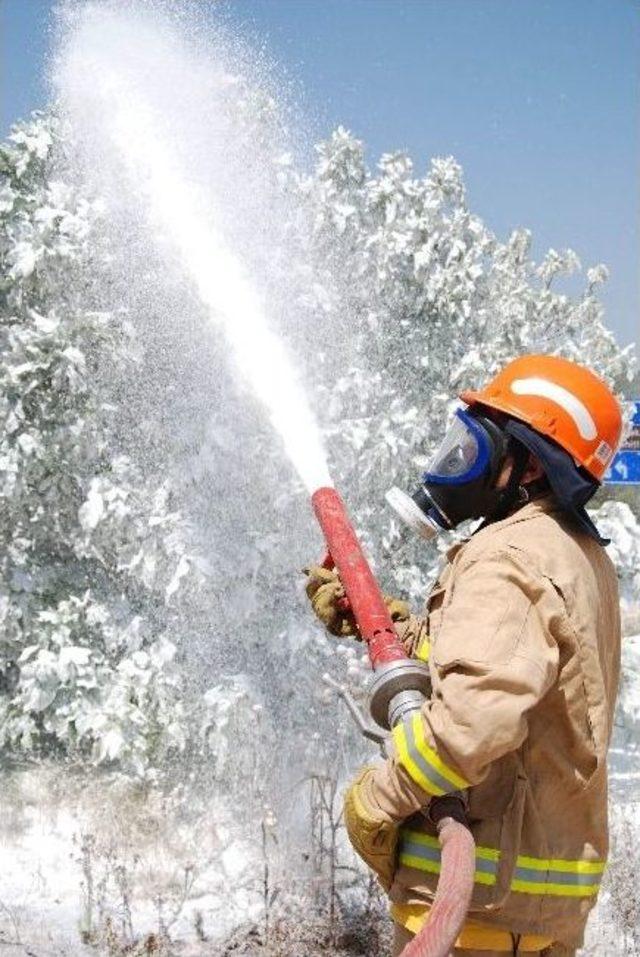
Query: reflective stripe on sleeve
column 423, row 649
column 421, row 762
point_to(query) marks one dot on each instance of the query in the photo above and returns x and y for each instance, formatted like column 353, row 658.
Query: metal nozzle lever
column 367, row 730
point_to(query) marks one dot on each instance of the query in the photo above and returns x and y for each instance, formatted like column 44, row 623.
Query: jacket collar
column 544, row 505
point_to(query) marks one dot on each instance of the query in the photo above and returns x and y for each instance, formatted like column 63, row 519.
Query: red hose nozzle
column 363, row 592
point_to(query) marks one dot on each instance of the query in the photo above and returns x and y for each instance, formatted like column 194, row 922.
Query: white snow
column 60, row 834
column 92, row 510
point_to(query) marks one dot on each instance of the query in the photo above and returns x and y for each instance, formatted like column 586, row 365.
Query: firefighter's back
column 539, row 817
column 564, row 835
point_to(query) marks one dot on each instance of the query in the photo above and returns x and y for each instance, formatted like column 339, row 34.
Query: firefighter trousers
column 402, row 937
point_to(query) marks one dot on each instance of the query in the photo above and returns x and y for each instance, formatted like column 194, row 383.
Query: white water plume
column 145, row 91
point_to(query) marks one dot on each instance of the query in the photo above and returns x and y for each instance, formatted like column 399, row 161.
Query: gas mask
column 459, row 483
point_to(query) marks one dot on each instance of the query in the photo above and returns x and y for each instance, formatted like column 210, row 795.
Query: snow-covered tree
column 91, row 554
column 401, row 295
column 438, row 304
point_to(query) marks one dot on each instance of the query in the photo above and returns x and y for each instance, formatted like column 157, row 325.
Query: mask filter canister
column 414, row 510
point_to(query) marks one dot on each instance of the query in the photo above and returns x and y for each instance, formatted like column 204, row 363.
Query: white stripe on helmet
column 562, row 397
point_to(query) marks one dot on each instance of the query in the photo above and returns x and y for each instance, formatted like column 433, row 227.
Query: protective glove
column 329, row 601
column 331, row 605
column 372, row 833
column 397, row 608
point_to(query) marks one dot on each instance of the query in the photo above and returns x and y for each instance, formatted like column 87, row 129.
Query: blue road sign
column 625, row 468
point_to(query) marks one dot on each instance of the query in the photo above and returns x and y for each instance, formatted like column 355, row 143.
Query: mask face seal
column 460, row 478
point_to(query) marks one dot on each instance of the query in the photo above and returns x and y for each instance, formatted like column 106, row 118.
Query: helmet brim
column 491, row 402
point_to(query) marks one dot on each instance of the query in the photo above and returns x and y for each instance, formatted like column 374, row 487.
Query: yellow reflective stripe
column 522, row 887
column 433, row 758
column 420, row 863
column 434, row 867
column 538, row 863
column 487, row 853
column 399, row 735
column 424, row 864
column 423, row 650
column 558, row 877
column 556, row 890
column 421, row 838
column 421, row 762
column 411, row 841
column 557, row 864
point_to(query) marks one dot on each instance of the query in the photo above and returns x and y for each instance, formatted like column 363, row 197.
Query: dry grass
column 147, row 880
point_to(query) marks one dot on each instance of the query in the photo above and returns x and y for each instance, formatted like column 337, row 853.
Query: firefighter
column 522, row 638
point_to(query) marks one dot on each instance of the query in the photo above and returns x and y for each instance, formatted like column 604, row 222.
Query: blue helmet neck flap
column 571, row 485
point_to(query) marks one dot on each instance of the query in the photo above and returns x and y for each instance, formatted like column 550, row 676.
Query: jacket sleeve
column 494, row 657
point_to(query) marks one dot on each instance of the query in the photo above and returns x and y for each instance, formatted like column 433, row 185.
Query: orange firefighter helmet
column 559, row 399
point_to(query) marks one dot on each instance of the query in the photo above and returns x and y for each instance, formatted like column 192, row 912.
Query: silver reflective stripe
column 428, row 853
column 560, row 878
column 486, row 866
column 427, row 769
column 534, row 876
column 421, row 850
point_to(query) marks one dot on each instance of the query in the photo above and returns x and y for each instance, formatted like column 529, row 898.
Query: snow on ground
column 39, row 882
column 100, row 866
column 94, row 865
column 614, row 927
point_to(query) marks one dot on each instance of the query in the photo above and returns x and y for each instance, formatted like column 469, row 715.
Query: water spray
column 104, row 71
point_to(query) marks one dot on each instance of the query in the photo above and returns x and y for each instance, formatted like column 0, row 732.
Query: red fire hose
column 453, row 894
column 400, row 686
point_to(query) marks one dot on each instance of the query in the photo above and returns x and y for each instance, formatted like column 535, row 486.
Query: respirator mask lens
column 464, row 452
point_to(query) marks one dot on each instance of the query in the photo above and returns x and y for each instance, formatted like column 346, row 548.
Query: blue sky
column 537, row 99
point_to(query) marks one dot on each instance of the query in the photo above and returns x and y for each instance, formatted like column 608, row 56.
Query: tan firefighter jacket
column 522, row 637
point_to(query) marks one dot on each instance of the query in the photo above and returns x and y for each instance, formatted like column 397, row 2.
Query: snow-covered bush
column 629, row 700
column 618, row 522
column 91, row 553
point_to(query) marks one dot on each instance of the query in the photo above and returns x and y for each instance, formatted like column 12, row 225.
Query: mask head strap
column 513, row 493
column 571, row 485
